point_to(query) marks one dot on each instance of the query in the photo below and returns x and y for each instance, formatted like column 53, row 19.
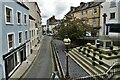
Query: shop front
column 13, row 59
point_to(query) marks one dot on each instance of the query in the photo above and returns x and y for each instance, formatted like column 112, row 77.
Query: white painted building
column 35, row 23
column 112, row 28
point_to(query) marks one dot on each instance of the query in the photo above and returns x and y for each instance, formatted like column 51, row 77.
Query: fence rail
column 105, row 76
column 57, row 64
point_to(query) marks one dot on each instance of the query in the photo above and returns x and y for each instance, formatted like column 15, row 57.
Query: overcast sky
column 56, row 7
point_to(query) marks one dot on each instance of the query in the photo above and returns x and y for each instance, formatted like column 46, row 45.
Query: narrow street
column 42, row 67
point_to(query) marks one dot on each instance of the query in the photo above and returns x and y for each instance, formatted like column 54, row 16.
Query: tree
column 74, row 28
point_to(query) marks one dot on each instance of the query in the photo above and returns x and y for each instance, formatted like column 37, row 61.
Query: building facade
column 14, row 36
column 89, row 13
column 112, row 28
column 51, row 23
column 35, row 23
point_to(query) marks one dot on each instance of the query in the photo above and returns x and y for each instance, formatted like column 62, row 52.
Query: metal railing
column 57, row 64
column 108, row 75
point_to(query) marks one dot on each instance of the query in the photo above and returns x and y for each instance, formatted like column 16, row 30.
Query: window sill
column 9, row 23
column 19, row 24
column 25, row 24
column 20, row 43
column 10, row 49
column 112, row 19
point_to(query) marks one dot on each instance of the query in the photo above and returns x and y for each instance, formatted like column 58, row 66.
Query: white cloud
column 56, row 7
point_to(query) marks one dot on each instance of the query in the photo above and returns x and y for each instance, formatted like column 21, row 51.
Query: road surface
column 42, row 67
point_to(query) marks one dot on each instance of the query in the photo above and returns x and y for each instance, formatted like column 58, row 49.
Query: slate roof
column 84, row 6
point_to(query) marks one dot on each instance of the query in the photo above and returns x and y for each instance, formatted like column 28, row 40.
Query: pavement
column 27, row 63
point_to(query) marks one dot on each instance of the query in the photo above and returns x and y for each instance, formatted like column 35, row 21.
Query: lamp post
column 67, row 42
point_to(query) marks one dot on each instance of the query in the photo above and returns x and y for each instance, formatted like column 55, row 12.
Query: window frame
column 10, row 48
column 11, row 14
column 113, row 3
column 25, row 19
column 21, row 37
column 94, row 10
column 26, row 38
column 20, row 17
column 111, row 15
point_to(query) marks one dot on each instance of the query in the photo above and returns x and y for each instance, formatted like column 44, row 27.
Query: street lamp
column 67, row 42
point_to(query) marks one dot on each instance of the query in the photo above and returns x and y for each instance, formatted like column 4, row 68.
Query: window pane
column 10, row 44
column 8, row 15
column 8, row 11
column 8, row 19
column 19, row 16
column 113, row 3
column 10, row 38
column 26, row 35
column 10, row 64
column 112, row 15
column 20, row 37
column 25, row 19
column 15, row 59
column 94, row 10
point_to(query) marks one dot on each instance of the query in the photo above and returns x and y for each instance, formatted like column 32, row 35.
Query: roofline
column 22, row 4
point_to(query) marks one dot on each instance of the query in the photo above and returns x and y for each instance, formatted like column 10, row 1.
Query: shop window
column 11, row 62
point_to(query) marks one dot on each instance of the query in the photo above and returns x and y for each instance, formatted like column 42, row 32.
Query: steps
column 86, row 63
column 93, row 64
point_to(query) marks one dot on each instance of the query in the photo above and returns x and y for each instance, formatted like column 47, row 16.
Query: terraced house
column 51, row 23
column 35, row 23
column 89, row 13
column 14, row 36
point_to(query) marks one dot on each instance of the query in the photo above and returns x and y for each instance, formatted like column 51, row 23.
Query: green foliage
column 74, row 28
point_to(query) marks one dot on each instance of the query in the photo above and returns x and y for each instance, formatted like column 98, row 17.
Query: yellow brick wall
column 77, row 15
column 91, row 14
column 90, row 21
